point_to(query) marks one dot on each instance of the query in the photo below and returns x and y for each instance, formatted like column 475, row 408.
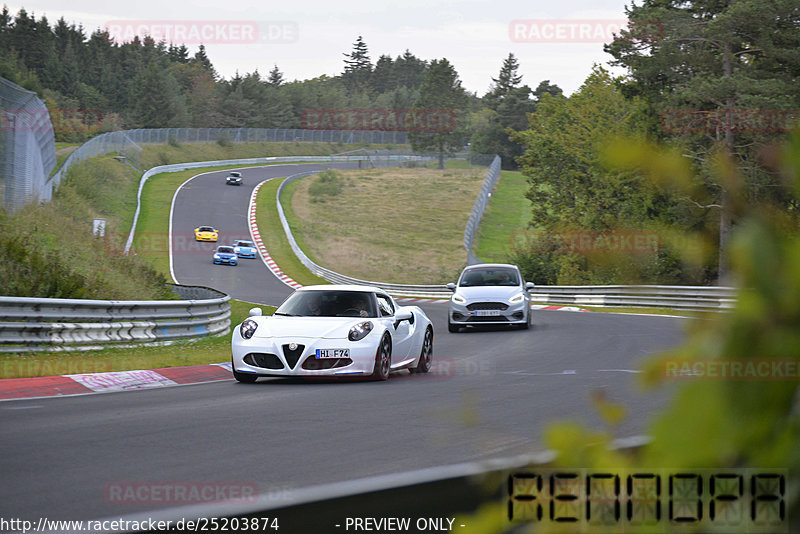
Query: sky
column 555, row 41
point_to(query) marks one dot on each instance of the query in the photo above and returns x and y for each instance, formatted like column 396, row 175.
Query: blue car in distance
column 225, row 254
column 244, row 249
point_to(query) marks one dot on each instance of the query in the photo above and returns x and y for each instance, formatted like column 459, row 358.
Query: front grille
column 487, row 306
column 487, row 319
column 261, row 359
column 317, row 364
column 293, row 355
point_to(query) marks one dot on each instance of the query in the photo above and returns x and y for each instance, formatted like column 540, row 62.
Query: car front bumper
column 273, row 357
column 205, row 238
column 513, row 314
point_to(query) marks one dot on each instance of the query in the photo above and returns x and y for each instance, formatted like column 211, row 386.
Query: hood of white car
column 500, row 293
column 306, row 327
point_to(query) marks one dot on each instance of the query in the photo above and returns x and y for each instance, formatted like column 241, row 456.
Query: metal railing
column 27, row 147
column 42, row 324
column 478, row 208
column 127, row 142
column 372, row 159
column 674, row 297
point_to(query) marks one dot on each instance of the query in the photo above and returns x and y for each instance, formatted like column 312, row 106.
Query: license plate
column 333, row 353
column 488, row 313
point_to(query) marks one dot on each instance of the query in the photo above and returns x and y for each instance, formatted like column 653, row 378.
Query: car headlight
column 458, row 299
column 248, row 328
column 516, row 299
column 359, row 331
column 216, row 256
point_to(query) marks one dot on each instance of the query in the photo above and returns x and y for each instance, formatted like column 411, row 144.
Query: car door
column 401, row 331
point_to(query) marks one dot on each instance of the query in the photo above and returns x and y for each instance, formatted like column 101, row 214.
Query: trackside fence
column 128, row 143
column 42, row 324
column 27, row 147
column 673, row 297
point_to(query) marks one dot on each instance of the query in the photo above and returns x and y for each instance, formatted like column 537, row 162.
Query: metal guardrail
column 43, row 324
column 477, row 209
column 372, row 159
column 676, row 297
column 126, row 142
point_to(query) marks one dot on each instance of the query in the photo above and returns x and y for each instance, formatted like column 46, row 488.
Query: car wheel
column 245, row 378
column 426, row 356
column 452, row 328
column 383, row 360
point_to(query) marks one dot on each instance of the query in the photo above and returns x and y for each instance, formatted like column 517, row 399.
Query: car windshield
column 225, row 250
column 205, row 229
column 235, row 175
column 329, row 304
column 243, row 244
column 489, row 277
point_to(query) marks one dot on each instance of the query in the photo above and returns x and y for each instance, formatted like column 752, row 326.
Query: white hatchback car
column 489, row 294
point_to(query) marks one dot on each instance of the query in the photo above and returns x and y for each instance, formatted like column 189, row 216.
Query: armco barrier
column 678, row 297
column 40, row 324
column 373, row 160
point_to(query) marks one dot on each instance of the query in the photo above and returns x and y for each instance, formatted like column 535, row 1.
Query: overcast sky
column 307, row 38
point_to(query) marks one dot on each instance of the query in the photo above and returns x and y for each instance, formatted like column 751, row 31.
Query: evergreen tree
column 275, row 77
column 717, row 57
column 511, row 104
column 357, row 67
column 440, row 92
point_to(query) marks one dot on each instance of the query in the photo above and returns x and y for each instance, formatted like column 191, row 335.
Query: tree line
column 93, row 84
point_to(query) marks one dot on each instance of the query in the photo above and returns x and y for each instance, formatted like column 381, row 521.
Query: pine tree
column 275, row 77
column 440, row 92
column 357, row 67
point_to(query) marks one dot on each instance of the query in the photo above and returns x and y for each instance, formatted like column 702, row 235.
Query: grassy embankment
column 59, row 233
column 387, row 224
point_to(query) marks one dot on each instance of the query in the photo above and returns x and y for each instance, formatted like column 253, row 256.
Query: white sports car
column 333, row 330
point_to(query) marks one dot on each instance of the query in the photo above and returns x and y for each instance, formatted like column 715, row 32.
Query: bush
column 224, row 140
column 328, row 184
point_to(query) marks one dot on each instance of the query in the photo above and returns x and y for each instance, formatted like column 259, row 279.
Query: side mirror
column 256, row 312
column 451, row 286
column 403, row 315
column 529, row 286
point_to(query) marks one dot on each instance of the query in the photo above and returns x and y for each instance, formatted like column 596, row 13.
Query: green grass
column 273, row 236
column 387, row 224
column 507, row 213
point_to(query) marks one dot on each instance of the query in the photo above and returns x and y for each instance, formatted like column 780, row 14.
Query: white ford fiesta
column 489, row 294
column 333, row 330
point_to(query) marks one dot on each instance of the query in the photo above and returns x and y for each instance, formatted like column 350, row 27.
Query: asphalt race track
column 491, row 394
column 206, row 200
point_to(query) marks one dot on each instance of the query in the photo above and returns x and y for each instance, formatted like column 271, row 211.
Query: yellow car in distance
column 205, row 233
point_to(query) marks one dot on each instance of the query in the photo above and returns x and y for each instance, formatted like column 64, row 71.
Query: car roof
column 342, row 287
column 491, row 266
